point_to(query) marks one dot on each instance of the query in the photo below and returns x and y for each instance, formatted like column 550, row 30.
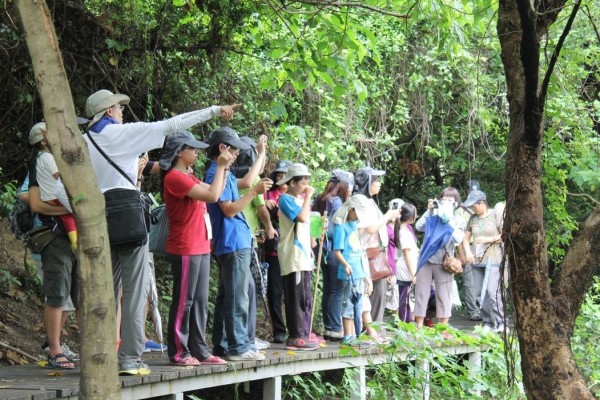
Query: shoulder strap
column 111, row 162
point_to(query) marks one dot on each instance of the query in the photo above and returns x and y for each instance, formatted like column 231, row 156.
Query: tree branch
column 585, row 195
column 350, row 4
column 579, row 266
column 556, row 52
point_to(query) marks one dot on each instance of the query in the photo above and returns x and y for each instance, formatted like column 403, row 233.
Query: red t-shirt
column 187, row 226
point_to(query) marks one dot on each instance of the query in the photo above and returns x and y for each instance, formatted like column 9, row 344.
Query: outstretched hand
column 228, row 111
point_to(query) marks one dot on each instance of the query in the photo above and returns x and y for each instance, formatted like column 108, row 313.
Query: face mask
column 446, row 211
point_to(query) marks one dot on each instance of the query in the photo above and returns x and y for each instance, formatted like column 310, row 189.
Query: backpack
column 21, row 219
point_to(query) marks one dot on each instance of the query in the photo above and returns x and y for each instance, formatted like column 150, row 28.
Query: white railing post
column 425, row 366
column 359, row 374
column 475, row 366
column 272, row 388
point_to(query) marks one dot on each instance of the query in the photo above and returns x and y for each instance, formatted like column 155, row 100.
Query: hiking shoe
column 134, row 368
column 152, row 346
column 279, row 338
column 247, row 356
column 261, row 344
column 354, row 343
column 301, row 344
column 64, row 349
column 333, row 336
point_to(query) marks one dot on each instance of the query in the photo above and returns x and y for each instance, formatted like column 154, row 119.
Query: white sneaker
column 487, row 329
column 261, row 344
column 247, row 356
column 500, row 329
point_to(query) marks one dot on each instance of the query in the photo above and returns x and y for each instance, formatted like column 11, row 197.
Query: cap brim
column 468, row 203
column 284, row 180
column 377, row 173
column 238, row 144
column 82, row 121
column 196, row 144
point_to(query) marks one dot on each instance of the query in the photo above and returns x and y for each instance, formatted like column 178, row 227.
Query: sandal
column 188, row 361
column 212, row 360
column 54, row 363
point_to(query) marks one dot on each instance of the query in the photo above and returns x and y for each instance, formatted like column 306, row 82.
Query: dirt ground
column 21, row 304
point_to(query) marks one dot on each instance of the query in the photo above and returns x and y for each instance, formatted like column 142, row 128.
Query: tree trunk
column 99, row 378
column 544, row 316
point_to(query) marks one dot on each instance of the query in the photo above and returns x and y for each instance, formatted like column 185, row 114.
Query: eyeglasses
column 120, row 107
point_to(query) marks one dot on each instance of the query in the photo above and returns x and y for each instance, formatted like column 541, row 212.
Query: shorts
column 60, row 273
column 352, row 297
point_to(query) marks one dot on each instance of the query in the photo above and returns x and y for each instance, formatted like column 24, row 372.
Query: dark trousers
column 297, row 297
column 189, row 308
column 275, row 295
column 403, row 304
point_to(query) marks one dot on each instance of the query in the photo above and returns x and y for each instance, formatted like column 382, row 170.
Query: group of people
column 220, row 214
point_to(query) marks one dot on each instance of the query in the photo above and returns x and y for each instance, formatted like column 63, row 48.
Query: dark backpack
column 21, row 219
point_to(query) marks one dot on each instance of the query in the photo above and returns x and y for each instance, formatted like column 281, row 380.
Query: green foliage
column 8, row 196
column 450, row 376
column 313, row 385
column 584, row 344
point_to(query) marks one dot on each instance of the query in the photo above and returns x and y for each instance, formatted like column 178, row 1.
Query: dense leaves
column 422, row 96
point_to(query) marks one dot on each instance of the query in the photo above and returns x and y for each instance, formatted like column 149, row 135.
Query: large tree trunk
column 99, row 377
column 545, row 306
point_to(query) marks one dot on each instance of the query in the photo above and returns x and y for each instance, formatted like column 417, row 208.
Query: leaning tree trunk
column 99, row 377
column 545, row 306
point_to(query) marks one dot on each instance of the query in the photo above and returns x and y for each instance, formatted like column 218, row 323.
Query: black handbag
column 127, row 211
column 126, row 217
column 38, row 238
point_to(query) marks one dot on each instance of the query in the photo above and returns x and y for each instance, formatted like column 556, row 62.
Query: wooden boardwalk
column 32, row 382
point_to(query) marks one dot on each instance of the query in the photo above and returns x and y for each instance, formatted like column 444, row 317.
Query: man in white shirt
column 123, row 143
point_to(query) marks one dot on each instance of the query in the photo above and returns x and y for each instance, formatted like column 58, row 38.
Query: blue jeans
column 230, row 327
column 331, row 304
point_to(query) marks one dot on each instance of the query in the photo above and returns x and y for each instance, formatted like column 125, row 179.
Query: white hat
column 97, row 104
column 296, row 169
column 35, row 134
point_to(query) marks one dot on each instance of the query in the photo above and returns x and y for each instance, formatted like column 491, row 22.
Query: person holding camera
column 443, row 232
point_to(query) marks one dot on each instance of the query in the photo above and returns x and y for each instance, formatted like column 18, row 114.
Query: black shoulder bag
column 127, row 211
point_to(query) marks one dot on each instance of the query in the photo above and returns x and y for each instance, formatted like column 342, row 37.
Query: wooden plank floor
column 32, row 382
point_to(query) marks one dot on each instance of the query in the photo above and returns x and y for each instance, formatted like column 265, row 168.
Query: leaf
column 276, row 53
column 278, row 108
column 361, row 90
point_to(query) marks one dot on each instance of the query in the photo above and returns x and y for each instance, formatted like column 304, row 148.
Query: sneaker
column 64, row 349
column 487, row 329
column 247, row 356
column 152, row 346
column 354, row 343
column 134, row 368
column 333, row 336
column 279, row 338
column 475, row 318
column 316, row 338
column 500, row 329
column 261, row 344
column 301, row 344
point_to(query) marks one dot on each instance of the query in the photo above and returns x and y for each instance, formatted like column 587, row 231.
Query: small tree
column 99, row 377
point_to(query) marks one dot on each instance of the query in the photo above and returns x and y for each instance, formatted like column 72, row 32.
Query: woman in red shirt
column 188, row 246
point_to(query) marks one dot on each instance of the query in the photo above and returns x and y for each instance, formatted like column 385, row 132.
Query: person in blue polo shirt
column 232, row 247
